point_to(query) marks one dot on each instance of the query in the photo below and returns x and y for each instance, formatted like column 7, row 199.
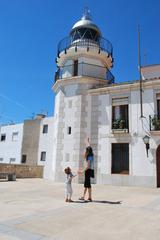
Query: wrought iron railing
column 84, row 69
column 120, row 124
column 154, row 121
column 102, row 44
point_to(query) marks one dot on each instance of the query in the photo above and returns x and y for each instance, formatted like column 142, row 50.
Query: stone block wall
column 22, row 171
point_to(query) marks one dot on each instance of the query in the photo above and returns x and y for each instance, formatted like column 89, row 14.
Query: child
column 68, row 185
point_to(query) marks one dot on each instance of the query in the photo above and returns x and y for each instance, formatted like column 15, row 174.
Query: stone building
column 89, row 104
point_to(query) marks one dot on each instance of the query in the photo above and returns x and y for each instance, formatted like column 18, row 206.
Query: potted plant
column 122, row 124
column 156, row 123
column 115, row 124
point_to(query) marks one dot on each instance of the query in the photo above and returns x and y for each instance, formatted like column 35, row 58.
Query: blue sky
column 31, row 29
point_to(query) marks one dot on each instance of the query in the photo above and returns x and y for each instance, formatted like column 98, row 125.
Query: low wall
column 22, row 171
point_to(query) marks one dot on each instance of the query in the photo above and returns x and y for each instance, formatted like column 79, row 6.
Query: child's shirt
column 69, row 178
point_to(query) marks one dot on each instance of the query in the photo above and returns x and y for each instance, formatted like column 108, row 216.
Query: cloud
column 12, row 101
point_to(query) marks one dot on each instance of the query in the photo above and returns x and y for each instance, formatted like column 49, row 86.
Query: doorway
column 120, row 158
column 158, row 165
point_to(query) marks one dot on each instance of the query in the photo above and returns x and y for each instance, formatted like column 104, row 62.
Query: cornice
column 127, row 87
column 78, row 80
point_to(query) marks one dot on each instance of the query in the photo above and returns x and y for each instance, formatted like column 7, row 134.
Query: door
column 120, row 158
column 158, row 165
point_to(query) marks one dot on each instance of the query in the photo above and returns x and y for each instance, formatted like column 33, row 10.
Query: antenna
column 86, row 14
column 140, row 74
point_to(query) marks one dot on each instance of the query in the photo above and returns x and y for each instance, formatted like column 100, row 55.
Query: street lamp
column 146, row 142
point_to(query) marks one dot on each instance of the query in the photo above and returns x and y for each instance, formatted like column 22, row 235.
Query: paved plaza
column 34, row 209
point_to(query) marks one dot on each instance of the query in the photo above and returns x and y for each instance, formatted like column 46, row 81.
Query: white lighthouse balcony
column 101, row 44
column 71, row 48
column 84, row 69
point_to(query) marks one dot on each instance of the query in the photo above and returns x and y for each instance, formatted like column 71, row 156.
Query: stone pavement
column 34, row 209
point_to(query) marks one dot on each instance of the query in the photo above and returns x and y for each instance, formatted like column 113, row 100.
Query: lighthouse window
column 69, row 130
column 45, row 128
column 75, row 68
column 43, row 156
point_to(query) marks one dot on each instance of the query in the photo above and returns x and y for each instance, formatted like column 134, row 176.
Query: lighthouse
column 84, row 60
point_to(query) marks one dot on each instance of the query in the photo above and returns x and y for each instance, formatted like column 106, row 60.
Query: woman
column 88, row 171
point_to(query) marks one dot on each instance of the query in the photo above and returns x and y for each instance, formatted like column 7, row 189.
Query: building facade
column 89, row 104
column 30, row 142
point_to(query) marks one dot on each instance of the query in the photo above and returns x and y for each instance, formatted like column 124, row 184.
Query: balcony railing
column 101, row 44
column 120, row 124
column 154, row 121
column 84, row 69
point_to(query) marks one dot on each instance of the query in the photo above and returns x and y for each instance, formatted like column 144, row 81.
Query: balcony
column 84, row 69
column 120, row 125
column 101, row 44
column 154, row 121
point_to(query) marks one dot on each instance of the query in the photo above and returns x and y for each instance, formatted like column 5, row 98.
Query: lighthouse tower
column 84, row 59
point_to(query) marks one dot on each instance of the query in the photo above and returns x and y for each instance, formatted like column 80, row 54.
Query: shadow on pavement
column 108, row 202
column 80, row 201
column 98, row 201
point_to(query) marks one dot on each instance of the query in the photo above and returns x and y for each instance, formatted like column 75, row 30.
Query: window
column 3, row 137
column 15, row 136
column 45, row 128
column 120, row 113
column 24, row 158
column 120, row 158
column 43, row 156
column 12, row 160
column 69, row 130
column 1, row 159
column 75, row 68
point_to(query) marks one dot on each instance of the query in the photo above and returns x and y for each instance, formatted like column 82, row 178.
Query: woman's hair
column 89, row 152
column 67, row 170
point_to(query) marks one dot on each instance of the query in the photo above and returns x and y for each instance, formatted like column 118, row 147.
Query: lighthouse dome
column 85, row 29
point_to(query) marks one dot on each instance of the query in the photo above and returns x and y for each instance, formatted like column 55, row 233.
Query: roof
column 86, row 22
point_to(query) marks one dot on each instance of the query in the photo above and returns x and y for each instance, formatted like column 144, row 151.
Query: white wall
column 139, row 164
column 11, row 148
column 46, row 142
column 86, row 67
column 104, row 163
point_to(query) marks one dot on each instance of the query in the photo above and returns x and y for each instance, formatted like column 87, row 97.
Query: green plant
column 116, row 124
column 156, row 123
column 122, row 124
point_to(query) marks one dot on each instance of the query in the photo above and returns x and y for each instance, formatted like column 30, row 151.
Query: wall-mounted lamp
column 146, row 142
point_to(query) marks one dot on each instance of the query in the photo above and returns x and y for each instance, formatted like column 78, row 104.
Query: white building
column 11, row 143
column 28, row 143
column 89, row 104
